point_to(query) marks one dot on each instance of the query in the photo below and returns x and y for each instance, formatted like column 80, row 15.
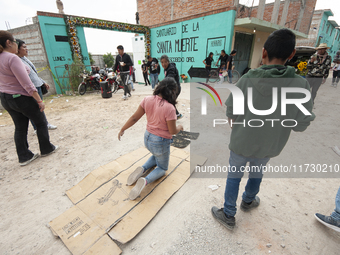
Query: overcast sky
column 20, row 12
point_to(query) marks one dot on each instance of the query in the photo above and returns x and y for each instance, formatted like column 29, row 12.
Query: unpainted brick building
column 246, row 32
column 294, row 14
column 323, row 30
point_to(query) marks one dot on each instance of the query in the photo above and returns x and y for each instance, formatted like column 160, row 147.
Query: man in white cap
column 318, row 68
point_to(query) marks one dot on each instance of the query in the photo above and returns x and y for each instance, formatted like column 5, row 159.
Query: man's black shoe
column 221, row 217
column 247, row 207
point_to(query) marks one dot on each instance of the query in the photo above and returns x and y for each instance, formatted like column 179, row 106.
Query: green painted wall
column 59, row 52
column 188, row 43
column 332, row 39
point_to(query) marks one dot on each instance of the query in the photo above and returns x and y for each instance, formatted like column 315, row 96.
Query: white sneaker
column 135, row 175
column 35, row 156
column 51, row 127
column 56, row 147
column 137, row 189
column 124, row 97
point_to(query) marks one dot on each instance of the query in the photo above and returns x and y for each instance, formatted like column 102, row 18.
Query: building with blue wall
column 323, row 30
column 189, row 42
column 64, row 40
column 57, row 46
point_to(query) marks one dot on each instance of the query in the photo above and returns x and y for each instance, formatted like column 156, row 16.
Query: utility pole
column 172, row 10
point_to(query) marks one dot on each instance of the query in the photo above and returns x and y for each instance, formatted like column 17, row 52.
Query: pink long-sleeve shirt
column 14, row 77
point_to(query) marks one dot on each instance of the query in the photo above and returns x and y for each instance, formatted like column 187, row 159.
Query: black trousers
column 315, row 83
column 208, row 69
column 336, row 76
column 178, row 92
column 22, row 109
column 125, row 78
column 146, row 78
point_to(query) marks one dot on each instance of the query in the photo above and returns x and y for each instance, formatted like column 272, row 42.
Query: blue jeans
column 154, row 79
column 236, row 165
column 230, row 75
column 160, row 149
column 336, row 214
column 131, row 84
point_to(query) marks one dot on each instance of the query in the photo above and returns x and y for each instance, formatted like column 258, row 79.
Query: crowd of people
column 21, row 96
column 226, row 65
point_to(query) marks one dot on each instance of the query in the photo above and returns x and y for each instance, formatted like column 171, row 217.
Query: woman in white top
column 36, row 80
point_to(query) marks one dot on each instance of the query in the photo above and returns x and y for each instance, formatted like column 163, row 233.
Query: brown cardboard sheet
column 108, row 204
column 104, row 246
column 105, row 173
column 102, row 207
column 141, row 215
column 77, row 231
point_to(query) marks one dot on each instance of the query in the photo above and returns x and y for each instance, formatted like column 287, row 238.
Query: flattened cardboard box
column 102, row 206
column 81, row 235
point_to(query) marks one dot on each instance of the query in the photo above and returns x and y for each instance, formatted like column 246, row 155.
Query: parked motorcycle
column 115, row 82
column 90, row 81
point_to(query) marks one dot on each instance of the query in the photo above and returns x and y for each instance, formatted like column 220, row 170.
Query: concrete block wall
column 313, row 31
column 293, row 14
column 98, row 60
column 36, row 50
column 307, row 16
column 319, row 33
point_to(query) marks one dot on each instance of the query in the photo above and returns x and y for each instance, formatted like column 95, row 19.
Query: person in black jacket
column 223, row 57
column 207, row 62
column 145, row 73
column 123, row 63
column 170, row 70
column 154, row 70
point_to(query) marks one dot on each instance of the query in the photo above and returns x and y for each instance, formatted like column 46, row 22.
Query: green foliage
column 75, row 69
column 91, row 59
column 108, row 59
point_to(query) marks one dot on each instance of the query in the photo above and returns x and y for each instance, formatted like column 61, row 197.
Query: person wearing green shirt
column 257, row 145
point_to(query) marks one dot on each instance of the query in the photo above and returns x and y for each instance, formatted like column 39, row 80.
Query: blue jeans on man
column 230, row 75
column 160, row 149
column 237, row 164
column 154, row 79
column 131, row 83
column 336, row 214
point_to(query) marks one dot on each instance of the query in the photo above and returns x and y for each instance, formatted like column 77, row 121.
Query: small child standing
column 161, row 125
column 336, row 70
column 222, row 70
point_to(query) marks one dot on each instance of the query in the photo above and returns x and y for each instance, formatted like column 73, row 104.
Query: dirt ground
column 87, row 135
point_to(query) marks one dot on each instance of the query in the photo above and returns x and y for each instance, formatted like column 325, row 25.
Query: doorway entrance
column 65, row 41
column 244, row 45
